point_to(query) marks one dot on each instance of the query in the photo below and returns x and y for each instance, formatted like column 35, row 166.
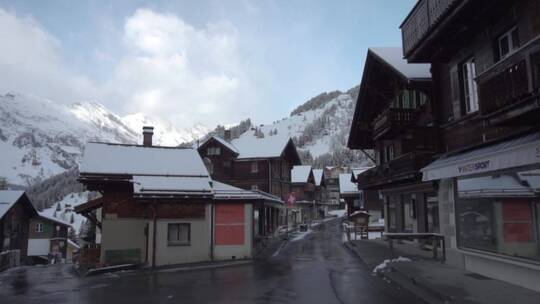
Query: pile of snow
column 66, row 212
column 382, row 266
column 338, row 213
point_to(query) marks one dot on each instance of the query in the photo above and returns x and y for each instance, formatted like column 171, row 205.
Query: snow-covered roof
column 224, row 192
column 359, row 212
column 394, row 57
column 300, row 174
column 250, row 146
column 53, row 219
column 346, row 186
column 73, row 244
column 223, row 142
column 357, row 171
column 494, row 186
column 101, row 158
column 170, row 185
column 7, row 199
column 318, row 175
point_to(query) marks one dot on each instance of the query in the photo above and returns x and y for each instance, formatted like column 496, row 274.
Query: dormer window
column 508, row 43
column 213, row 151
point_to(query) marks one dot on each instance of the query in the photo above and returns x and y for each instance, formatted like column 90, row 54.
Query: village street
column 315, row 269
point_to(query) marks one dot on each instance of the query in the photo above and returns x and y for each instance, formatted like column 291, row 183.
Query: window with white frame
column 179, row 234
column 470, row 91
column 39, row 227
column 508, row 43
column 213, row 151
column 254, row 167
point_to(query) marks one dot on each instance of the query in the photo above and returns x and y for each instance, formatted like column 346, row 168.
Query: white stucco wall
column 197, row 251
column 121, row 234
column 38, row 247
column 226, row 252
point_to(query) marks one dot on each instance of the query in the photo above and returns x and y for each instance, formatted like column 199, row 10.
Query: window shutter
column 456, row 92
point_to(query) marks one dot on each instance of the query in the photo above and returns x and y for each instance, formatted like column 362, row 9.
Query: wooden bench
column 435, row 239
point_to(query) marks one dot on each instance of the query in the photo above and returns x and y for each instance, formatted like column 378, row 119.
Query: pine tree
column 58, row 207
column 72, row 219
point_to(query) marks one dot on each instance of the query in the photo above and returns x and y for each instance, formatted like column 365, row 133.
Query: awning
column 518, row 152
column 494, row 186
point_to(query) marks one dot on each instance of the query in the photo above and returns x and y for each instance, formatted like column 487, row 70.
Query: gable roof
column 346, row 186
column 251, row 146
column 53, row 219
column 318, row 174
column 301, row 174
column 222, row 141
column 357, row 171
column 8, row 198
column 393, row 56
column 104, row 158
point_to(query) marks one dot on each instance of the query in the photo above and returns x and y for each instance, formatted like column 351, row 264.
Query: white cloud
column 166, row 68
column 30, row 62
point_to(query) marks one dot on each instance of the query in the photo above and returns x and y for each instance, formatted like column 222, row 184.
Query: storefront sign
column 474, row 167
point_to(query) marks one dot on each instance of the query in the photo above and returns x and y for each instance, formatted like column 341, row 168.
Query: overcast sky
column 205, row 61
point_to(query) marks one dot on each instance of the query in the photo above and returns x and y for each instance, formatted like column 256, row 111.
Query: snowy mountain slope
column 64, row 209
column 39, row 138
column 319, row 129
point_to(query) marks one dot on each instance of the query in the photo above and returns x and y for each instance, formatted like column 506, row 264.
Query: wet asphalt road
column 316, row 269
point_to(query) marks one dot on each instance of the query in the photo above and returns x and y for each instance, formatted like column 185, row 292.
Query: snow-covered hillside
column 40, row 138
column 64, row 210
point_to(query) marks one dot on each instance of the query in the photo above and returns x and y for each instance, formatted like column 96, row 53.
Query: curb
column 414, row 285
column 201, row 267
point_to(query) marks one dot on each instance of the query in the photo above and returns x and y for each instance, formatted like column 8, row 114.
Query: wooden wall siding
column 462, row 130
column 14, row 226
column 130, row 208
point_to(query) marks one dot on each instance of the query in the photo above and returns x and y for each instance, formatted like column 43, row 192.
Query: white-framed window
column 508, row 43
column 39, row 227
column 254, row 187
column 179, row 234
column 254, row 167
column 470, row 91
column 213, row 151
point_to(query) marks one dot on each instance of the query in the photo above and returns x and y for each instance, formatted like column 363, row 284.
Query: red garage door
column 230, row 220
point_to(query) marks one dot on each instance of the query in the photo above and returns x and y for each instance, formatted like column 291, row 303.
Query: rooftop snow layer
column 345, row 184
column 7, row 199
column 170, row 184
column 225, row 191
column 318, row 174
column 225, row 143
column 394, row 57
column 300, row 174
column 251, row 146
column 103, row 158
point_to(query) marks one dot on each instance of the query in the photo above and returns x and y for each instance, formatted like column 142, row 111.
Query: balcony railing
column 425, row 15
column 511, row 80
column 392, row 119
column 404, row 167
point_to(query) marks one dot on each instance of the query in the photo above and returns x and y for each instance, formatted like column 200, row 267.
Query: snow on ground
column 67, row 205
column 338, row 213
column 382, row 266
column 300, row 235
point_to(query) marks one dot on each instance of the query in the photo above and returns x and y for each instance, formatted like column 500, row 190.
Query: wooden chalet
column 485, row 62
column 48, row 240
column 160, row 206
column 303, row 187
column 349, row 193
column 394, row 117
column 331, row 174
column 16, row 211
column 321, row 194
column 252, row 162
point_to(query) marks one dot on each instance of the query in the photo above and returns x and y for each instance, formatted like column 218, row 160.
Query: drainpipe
column 154, row 233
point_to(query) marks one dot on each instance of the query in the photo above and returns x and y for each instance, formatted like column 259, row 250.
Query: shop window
column 179, row 234
column 495, row 221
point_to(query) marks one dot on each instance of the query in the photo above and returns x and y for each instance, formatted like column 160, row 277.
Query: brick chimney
column 147, row 132
column 227, row 135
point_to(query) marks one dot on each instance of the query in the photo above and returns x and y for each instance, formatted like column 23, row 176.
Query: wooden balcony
column 509, row 91
column 390, row 121
column 422, row 19
column 404, row 168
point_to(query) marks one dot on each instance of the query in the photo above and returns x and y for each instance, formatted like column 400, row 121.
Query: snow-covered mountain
column 40, row 138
